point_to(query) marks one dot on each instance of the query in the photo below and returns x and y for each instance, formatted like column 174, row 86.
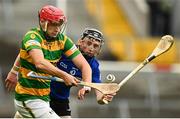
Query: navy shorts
column 60, row 107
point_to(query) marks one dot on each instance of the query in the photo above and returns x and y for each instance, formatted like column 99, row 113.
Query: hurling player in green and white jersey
column 41, row 48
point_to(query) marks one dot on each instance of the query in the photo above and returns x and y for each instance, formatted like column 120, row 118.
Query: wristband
column 15, row 68
column 87, row 88
column 13, row 71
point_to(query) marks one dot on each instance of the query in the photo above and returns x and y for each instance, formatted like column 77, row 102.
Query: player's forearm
column 86, row 73
column 44, row 65
column 83, row 65
column 17, row 61
column 47, row 67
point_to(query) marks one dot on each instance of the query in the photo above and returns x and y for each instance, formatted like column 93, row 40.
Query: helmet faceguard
column 51, row 14
column 91, row 42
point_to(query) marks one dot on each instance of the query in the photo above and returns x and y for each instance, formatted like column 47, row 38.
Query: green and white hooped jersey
column 30, row 88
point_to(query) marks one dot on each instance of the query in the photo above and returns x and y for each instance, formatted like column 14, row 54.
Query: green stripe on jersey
column 33, row 47
column 77, row 52
column 23, row 97
column 33, row 83
column 68, row 44
column 53, row 55
column 28, row 65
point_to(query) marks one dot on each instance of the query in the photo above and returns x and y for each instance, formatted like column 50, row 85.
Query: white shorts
column 35, row 108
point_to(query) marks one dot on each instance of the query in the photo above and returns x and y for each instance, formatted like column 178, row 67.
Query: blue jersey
column 60, row 90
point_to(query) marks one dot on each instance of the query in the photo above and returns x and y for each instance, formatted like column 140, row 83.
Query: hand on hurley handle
column 70, row 80
column 82, row 92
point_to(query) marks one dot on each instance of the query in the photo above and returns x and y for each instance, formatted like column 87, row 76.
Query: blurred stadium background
column 132, row 28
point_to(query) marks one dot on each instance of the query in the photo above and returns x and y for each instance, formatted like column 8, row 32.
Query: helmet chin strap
column 45, row 31
column 45, row 27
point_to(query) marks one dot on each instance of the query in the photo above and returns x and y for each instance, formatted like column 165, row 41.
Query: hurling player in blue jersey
column 90, row 45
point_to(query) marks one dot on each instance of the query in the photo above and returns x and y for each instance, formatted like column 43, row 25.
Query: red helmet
column 51, row 13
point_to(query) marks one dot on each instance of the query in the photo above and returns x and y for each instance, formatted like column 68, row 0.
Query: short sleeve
column 31, row 41
column 70, row 49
